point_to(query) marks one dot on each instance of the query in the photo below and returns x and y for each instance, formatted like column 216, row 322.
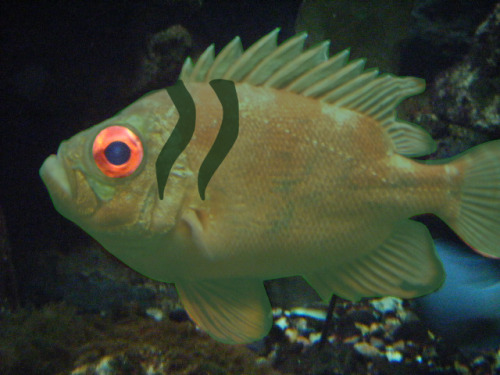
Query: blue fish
column 466, row 310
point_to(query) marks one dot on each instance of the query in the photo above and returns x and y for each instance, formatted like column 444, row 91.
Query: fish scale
column 319, row 183
column 303, row 172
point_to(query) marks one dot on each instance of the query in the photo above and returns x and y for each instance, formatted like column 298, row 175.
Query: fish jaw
column 67, row 187
column 54, row 176
column 56, row 179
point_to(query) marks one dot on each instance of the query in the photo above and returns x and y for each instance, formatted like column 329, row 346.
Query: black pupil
column 117, row 153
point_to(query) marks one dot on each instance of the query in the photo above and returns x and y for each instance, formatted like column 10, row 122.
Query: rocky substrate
column 378, row 336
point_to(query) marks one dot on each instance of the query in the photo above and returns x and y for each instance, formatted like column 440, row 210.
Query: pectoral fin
column 405, row 265
column 233, row 311
column 191, row 228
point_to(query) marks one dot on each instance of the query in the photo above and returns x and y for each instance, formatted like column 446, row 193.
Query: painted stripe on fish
column 183, row 131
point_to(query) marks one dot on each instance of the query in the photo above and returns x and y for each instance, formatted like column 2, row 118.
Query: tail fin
column 478, row 218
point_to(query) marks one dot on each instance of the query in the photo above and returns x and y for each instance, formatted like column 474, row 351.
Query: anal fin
column 233, row 311
column 405, row 265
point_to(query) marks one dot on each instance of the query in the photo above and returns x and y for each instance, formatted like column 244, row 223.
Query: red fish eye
column 117, row 151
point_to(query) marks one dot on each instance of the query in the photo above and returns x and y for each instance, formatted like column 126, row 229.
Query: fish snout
column 55, row 176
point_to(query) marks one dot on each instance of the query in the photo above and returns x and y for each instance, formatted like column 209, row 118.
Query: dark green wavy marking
column 181, row 135
column 228, row 132
column 184, row 129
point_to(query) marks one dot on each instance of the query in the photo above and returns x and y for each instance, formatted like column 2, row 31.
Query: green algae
column 40, row 341
column 57, row 340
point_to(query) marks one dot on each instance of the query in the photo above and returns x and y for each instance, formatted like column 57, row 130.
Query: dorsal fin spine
column 358, row 96
column 334, row 80
column 287, row 51
column 362, row 80
column 317, row 73
column 297, row 67
column 187, row 70
column 226, row 57
column 203, row 64
column 260, row 49
column 311, row 73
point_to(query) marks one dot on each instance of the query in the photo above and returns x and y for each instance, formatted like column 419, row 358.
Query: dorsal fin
column 312, row 73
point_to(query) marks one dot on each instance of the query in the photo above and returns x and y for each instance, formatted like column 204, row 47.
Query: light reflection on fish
column 319, row 183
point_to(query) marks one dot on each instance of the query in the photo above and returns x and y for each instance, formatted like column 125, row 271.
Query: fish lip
column 55, row 176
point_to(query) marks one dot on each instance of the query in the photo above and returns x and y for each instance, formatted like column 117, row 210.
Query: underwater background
column 68, row 307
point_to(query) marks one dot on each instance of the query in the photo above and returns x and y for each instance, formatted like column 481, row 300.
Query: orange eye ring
column 117, row 151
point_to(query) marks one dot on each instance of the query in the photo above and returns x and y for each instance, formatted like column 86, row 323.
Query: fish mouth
column 56, row 179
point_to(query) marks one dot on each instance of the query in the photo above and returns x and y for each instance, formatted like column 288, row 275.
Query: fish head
column 104, row 178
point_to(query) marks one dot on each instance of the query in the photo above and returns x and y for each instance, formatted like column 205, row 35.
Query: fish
column 465, row 311
column 321, row 182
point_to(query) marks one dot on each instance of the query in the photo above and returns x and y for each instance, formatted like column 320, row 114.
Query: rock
column 387, row 304
column 468, row 93
column 441, row 32
column 292, row 334
column 362, row 316
column 394, row 356
column 155, row 313
column 178, row 316
column 414, row 331
column 378, row 343
column 367, row 350
column 166, row 52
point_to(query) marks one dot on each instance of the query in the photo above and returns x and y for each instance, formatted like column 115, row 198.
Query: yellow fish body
column 318, row 184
